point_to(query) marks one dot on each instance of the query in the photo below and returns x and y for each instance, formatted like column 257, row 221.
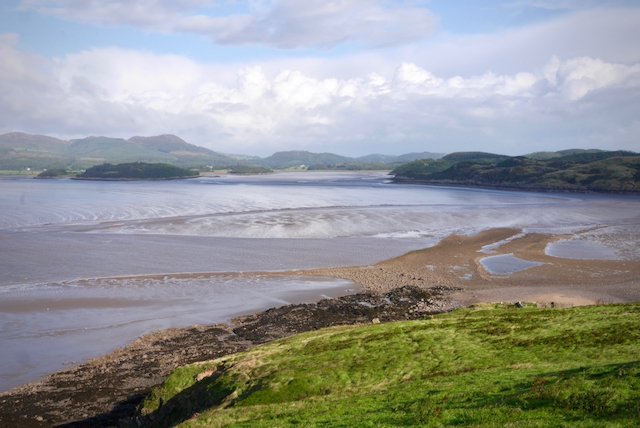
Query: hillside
column 572, row 170
column 484, row 366
column 310, row 160
column 391, row 159
column 90, row 150
column 183, row 152
column 297, row 158
column 136, row 171
column 20, row 150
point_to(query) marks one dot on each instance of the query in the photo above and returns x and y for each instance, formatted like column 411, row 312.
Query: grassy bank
column 485, row 366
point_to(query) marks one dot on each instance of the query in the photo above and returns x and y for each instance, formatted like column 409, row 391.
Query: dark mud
column 106, row 391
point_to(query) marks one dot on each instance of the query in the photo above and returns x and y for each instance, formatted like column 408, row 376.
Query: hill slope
column 87, row 151
column 181, row 152
column 20, row 150
column 295, row 158
column 488, row 366
column 572, row 170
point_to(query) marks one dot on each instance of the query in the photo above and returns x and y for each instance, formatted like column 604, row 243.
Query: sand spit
column 417, row 284
column 455, row 262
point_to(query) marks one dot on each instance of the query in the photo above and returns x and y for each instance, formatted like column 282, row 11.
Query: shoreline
column 446, row 183
column 186, row 177
column 107, row 388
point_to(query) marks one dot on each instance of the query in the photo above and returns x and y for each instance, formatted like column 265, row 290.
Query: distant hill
column 20, row 150
column 91, row 150
column 572, row 170
column 408, row 157
column 297, row 158
column 168, row 143
column 391, row 159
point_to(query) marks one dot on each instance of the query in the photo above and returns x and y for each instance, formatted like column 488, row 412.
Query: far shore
column 393, row 179
column 447, row 183
column 134, row 179
column 450, row 273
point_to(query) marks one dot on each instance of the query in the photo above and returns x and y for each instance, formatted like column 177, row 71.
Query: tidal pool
column 581, row 249
column 506, row 264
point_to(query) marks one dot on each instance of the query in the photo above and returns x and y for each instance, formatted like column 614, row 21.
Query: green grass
column 486, row 366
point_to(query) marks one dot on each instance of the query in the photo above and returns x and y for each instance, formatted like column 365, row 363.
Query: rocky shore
column 106, row 391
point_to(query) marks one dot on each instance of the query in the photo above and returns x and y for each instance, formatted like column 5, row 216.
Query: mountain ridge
column 20, row 150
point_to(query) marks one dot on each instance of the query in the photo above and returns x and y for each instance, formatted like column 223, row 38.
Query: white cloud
column 580, row 76
column 608, row 34
column 278, row 23
column 150, row 14
column 555, row 5
column 574, row 102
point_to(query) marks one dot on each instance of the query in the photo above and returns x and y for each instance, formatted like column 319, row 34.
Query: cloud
column 277, row 23
column 286, row 24
column 578, row 77
column 573, row 102
column 149, row 14
column 557, row 5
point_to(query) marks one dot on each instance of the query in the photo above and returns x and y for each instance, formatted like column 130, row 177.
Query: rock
column 205, row 374
column 375, row 321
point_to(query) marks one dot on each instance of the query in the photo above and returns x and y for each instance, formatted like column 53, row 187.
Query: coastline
column 431, row 280
column 448, row 183
column 108, row 389
column 186, row 177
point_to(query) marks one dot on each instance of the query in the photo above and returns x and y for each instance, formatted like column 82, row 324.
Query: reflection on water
column 277, row 206
column 506, row 264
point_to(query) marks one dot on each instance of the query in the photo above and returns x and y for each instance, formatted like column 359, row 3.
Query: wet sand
column 455, row 262
column 450, row 271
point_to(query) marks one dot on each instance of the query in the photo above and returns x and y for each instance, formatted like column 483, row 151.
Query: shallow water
column 54, row 232
column 506, row 264
column 581, row 250
column 44, row 328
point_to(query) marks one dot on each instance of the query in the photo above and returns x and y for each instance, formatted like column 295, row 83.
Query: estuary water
column 88, row 266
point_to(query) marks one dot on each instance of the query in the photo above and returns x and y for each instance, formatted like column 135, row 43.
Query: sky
column 346, row 76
